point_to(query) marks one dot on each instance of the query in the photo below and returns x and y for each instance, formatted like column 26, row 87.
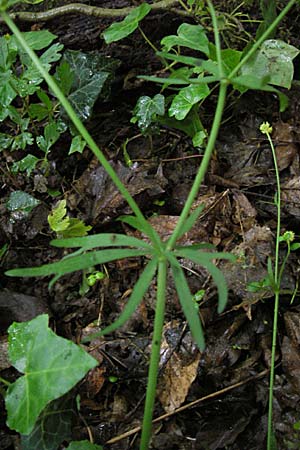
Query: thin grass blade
column 101, row 240
column 79, row 262
column 136, row 297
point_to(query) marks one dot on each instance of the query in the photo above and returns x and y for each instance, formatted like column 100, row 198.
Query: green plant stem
column 203, row 166
column 277, row 294
column 2, row 380
column 211, row 141
column 84, row 133
column 217, row 38
column 262, row 38
column 155, row 354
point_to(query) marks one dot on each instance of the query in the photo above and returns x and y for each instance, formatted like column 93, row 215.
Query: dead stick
column 95, row 11
column 189, row 405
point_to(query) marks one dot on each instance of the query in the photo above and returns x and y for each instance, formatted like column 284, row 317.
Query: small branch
column 80, row 8
column 190, row 405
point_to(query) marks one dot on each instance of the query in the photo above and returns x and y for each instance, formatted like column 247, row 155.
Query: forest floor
column 229, row 381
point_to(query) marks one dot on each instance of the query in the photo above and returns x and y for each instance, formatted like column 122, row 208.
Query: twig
column 80, row 8
column 189, row 405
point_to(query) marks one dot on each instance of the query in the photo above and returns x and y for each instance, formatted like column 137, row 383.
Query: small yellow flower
column 288, row 236
column 266, row 128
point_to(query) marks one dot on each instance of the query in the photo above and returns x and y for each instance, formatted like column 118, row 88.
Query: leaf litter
column 238, row 216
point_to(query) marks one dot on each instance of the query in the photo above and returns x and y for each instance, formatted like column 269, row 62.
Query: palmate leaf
column 135, row 298
column 190, row 36
column 78, row 262
column 101, row 240
column 51, row 366
column 204, row 259
column 120, row 30
column 187, row 303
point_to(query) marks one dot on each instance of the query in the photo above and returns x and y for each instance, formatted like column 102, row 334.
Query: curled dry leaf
column 180, row 369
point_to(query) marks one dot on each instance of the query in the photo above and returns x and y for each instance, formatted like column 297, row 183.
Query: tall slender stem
column 203, row 166
column 212, row 137
column 83, row 131
column 276, row 305
column 155, row 354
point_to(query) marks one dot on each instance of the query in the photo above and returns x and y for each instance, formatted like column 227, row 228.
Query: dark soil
column 239, row 216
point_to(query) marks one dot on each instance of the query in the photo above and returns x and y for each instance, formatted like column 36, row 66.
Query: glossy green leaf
column 51, row 366
column 52, row 427
column 7, row 92
column 147, row 109
column 32, row 74
column 102, row 240
column 138, row 292
column 37, row 40
column 77, row 145
column 187, row 304
column 84, row 445
column 51, row 135
column 64, row 76
column 120, row 30
column 91, row 74
column 26, row 164
column 186, row 99
column 73, row 263
column 190, row 36
column 275, row 60
column 5, row 141
column 190, row 125
column 22, row 202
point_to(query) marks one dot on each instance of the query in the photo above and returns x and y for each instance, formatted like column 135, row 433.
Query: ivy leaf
column 51, row 366
column 120, row 30
column 190, row 36
column 64, row 77
column 183, row 102
column 21, row 202
column 147, row 109
column 51, row 135
column 32, row 74
column 84, row 445
column 77, row 145
column 57, row 220
column 26, row 164
column 273, row 59
column 37, row 40
column 52, row 427
column 91, row 74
